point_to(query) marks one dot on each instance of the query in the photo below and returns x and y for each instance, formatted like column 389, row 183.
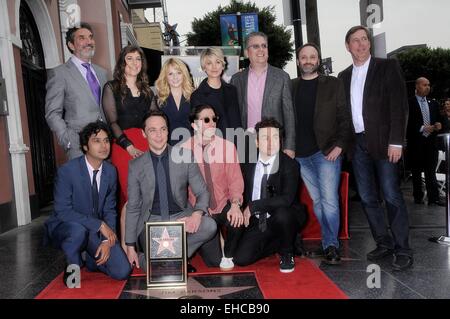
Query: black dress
column 178, row 118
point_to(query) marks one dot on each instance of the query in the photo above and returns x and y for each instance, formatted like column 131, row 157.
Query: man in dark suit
column 272, row 214
column 158, row 191
column 74, row 90
column 323, row 134
column 376, row 96
column 264, row 91
column 84, row 217
column 424, row 123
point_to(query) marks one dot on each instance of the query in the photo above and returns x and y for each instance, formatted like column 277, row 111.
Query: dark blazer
column 385, row 105
column 332, row 119
column 415, row 138
column 228, row 111
column 73, row 197
column 277, row 101
column 283, row 185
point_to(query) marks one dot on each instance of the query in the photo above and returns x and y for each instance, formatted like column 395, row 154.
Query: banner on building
column 249, row 24
column 229, row 29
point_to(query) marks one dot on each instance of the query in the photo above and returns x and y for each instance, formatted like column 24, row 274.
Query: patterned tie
column 94, row 189
column 425, row 114
column 162, row 190
column 263, row 216
column 92, row 81
column 208, row 178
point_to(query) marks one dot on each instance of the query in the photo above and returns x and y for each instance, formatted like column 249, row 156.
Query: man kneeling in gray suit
column 157, row 191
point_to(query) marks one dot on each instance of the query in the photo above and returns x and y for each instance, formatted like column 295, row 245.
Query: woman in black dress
column 174, row 87
column 216, row 92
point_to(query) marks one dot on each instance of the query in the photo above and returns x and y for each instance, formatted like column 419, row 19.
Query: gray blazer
column 70, row 104
column 141, row 189
column 277, row 100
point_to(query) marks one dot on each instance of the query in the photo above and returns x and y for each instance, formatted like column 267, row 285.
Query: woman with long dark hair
column 126, row 100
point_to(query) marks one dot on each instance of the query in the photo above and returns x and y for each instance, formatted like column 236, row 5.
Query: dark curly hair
column 93, row 129
column 119, row 84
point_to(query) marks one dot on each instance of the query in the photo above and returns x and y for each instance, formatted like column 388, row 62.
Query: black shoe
column 318, row 253
column 438, row 203
column 379, row 253
column 419, row 201
column 332, row 256
column 402, row 262
column 287, row 263
column 191, row 269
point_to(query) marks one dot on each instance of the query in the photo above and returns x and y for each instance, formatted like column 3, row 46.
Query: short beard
column 309, row 71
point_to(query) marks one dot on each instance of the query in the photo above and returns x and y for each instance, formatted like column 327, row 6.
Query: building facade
column 32, row 40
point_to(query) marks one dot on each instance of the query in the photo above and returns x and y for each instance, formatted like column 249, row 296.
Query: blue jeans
column 322, row 178
column 371, row 175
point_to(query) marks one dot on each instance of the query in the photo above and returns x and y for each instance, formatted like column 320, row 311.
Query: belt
column 361, row 133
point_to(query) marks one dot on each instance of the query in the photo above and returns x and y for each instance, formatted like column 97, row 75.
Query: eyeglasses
column 257, row 46
column 207, row 119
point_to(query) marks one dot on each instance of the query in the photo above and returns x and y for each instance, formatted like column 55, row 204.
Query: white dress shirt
column 359, row 75
column 259, row 173
column 91, row 173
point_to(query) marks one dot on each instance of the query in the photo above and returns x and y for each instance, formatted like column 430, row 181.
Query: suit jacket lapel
column 267, row 88
column 149, row 177
column 78, row 77
column 103, row 188
column 86, row 180
column 244, row 104
column 369, row 80
column 275, row 171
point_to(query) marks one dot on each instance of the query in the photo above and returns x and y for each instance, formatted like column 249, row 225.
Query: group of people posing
column 225, row 158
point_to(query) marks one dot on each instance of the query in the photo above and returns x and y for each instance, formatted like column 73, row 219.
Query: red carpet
column 93, row 286
column 306, row 282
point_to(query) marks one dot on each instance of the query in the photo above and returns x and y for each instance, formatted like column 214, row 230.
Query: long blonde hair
column 162, row 85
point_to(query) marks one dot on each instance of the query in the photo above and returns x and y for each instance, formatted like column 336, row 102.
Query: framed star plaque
column 166, row 254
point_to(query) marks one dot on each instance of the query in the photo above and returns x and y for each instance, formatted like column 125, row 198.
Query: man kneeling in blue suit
column 84, row 217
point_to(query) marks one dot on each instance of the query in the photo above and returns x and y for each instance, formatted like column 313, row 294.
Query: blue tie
column 94, row 193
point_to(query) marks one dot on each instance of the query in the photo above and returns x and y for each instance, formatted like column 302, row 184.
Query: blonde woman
column 174, row 88
column 214, row 91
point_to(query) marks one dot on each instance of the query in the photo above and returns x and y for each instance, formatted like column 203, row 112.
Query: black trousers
column 282, row 228
column 211, row 251
column 424, row 158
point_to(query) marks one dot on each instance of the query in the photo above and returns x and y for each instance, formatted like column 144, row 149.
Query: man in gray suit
column 264, row 91
column 158, row 191
column 74, row 91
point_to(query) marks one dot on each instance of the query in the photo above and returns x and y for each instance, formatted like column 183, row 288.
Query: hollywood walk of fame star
column 193, row 288
column 165, row 242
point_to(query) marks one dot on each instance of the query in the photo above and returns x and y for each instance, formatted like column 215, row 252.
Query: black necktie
column 263, row 216
column 208, row 178
column 94, row 189
column 162, row 190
